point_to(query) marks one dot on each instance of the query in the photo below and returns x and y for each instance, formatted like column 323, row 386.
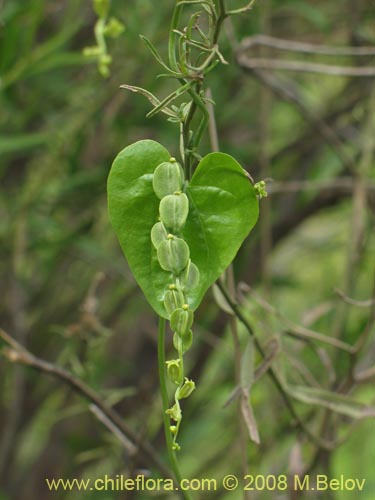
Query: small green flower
column 260, row 189
column 174, row 413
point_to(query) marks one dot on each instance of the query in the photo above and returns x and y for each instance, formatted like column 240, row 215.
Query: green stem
column 222, row 16
column 99, row 34
column 172, row 36
column 164, row 395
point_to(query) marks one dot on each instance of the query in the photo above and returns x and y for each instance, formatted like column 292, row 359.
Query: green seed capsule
column 184, row 343
column 158, row 234
column 174, row 210
column 174, row 371
column 173, row 299
column 181, row 321
column 173, row 255
column 189, row 277
column 168, row 178
column 186, row 389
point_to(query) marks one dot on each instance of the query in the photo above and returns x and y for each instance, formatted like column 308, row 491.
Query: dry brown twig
column 304, row 67
column 16, row 353
column 285, row 90
column 341, row 184
column 314, row 438
column 298, row 330
column 305, row 48
column 308, row 48
column 353, row 302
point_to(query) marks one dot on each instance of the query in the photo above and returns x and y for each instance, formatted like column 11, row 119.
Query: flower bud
column 168, row 178
column 113, row 28
column 173, row 299
column 174, row 371
column 158, row 234
column 181, row 321
column 173, row 255
column 186, row 389
column 174, row 210
column 260, row 189
column 189, row 277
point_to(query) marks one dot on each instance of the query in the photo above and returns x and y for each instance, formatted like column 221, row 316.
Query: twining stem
column 164, row 396
column 221, row 18
column 172, row 36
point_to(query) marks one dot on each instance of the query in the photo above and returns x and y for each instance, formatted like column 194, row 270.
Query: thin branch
column 326, row 445
column 241, row 10
column 341, row 184
column 301, row 331
column 212, row 128
column 307, row 48
column 126, row 443
column 304, row 67
column 18, row 354
column 288, row 93
column 364, row 375
column 353, row 302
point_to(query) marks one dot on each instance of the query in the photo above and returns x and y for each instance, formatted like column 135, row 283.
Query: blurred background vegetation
column 68, row 295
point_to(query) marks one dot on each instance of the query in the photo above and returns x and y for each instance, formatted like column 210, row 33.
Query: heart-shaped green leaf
column 223, row 208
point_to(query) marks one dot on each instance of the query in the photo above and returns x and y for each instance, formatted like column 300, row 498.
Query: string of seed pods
column 173, row 254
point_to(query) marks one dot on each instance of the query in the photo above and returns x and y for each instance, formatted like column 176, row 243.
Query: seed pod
column 186, row 389
column 184, row 342
column 158, row 234
column 173, row 255
column 181, row 320
column 173, row 299
column 168, row 178
column 174, row 210
column 174, row 371
column 189, row 277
